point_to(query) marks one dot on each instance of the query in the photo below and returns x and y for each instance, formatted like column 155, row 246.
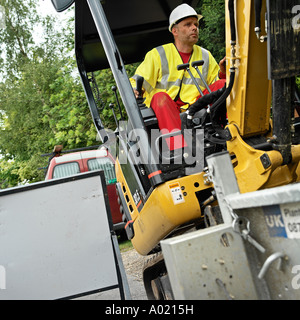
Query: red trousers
column 167, row 112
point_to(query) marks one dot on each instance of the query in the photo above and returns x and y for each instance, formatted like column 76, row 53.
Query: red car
column 68, row 164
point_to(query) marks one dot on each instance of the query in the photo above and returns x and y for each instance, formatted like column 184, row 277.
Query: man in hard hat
column 169, row 91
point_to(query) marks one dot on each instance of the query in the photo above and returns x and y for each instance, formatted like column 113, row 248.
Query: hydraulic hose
column 232, row 20
column 207, row 99
column 223, row 93
column 202, row 103
column 257, row 6
column 232, row 42
column 214, row 108
column 227, row 91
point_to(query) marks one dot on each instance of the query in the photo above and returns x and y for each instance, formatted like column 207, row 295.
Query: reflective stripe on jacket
column 159, row 70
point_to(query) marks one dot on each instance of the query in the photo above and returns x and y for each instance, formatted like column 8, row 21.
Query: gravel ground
column 133, row 263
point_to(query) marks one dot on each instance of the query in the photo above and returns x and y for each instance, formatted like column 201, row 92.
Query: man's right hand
column 137, row 94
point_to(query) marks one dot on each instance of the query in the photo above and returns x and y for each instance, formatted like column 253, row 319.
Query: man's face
column 187, row 30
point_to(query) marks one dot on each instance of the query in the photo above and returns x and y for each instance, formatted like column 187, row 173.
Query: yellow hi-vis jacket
column 159, row 70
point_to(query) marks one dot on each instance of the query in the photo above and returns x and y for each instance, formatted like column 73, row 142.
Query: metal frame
column 125, row 89
column 123, row 285
column 268, row 259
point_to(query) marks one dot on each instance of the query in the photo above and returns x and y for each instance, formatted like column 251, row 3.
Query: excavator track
column 156, row 280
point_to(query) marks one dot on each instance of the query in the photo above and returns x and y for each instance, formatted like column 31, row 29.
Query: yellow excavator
column 163, row 195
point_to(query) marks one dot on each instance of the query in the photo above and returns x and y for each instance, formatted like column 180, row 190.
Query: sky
column 46, row 7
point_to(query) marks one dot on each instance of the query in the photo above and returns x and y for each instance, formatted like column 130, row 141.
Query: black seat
column 148, row 116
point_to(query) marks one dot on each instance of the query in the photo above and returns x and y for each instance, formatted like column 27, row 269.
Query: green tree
column 29, row 69
column 212, row 27
column 42, row 101
column 19, row 19
column 9, row 176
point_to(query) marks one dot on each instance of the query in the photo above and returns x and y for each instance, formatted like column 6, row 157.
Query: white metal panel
column 272, row 218
column 55, row 240
column 209, row 264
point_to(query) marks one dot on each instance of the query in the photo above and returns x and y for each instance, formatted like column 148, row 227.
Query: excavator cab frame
column 115, row 33
column 107, row 37
column 162, row 200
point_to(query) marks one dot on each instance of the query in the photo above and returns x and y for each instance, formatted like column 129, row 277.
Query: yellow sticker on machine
column 176, row 193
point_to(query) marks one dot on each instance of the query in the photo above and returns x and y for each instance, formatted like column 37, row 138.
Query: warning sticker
column 283, row 220
column 176, row 193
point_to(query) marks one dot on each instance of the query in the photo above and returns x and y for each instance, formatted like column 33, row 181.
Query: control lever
column 114, row 89
column 139, row 87
column 111, row 105
column 196, row 64
column 186, row 66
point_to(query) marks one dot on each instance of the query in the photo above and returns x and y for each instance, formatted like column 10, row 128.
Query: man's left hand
column 222, row 65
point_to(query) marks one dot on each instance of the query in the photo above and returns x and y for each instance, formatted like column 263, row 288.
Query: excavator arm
column 260, row 107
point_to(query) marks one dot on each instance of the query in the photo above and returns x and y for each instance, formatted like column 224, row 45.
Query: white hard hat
column 181, row 12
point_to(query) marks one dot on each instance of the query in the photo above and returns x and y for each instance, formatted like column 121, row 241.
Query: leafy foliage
column 9, row 173
column 42, row 103
column 212, row 27
column 20, row 19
